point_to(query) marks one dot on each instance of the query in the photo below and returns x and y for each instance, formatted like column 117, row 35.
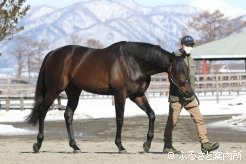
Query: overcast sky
column 231, row 7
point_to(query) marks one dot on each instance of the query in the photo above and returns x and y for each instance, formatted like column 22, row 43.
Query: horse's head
column 179, row 75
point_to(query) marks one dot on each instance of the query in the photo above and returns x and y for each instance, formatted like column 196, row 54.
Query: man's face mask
column 188, row 50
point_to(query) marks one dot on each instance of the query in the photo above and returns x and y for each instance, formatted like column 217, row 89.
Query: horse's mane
column 150, row 53
column 180, row 65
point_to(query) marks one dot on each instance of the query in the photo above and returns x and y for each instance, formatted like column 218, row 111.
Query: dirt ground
column 96, row 137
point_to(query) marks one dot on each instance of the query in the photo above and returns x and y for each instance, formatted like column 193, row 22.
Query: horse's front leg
column 143, row 103
column 119, row 109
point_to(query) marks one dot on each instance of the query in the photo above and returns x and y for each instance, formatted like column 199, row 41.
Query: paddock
column 96, row 136
column 96, row 139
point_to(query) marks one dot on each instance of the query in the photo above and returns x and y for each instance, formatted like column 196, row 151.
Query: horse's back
column 93, row 69
column 78, row 51
column 87, row 68
column 60, row 59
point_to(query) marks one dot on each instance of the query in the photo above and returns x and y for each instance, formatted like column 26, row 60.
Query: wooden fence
column 18, row 94
column 211, row 86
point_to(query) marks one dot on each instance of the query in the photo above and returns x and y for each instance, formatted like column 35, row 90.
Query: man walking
column 178, row 101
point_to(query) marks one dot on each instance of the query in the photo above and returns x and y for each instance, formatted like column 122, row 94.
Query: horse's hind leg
column 43, row 107
column 143, row 103
column 73, row 94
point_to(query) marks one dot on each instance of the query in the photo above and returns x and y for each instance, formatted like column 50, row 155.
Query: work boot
column 167, row 150
column 208, row 146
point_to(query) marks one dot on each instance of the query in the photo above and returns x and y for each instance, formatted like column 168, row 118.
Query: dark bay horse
column 123, row 70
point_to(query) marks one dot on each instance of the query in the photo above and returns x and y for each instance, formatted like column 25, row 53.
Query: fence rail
column 14, row 95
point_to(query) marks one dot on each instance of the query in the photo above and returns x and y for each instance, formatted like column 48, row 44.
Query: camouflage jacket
column 175, row 94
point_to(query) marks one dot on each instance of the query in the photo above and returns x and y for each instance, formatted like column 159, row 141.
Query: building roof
column 231, row 47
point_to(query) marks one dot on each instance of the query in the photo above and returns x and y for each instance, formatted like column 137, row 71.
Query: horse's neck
column 155, row 71
column 150, row 69
column 157, row 67
column 157, row 62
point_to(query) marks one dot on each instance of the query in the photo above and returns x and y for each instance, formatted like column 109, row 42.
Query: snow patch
column 11, row 130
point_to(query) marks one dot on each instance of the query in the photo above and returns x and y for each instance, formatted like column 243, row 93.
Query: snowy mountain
column 108, row 21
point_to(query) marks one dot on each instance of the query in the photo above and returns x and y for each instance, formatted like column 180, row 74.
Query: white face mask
column 188, row 50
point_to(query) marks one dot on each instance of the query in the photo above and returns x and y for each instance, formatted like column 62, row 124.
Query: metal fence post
column 217, row 87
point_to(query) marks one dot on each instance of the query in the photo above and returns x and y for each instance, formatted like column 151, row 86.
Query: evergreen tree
column 10, row 13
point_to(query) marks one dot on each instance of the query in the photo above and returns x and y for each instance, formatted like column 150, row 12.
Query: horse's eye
column 184, row 79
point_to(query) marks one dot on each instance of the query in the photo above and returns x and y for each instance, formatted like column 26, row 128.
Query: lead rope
column 198, row 102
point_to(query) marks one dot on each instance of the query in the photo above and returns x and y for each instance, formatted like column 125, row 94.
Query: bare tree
column 75, row 39
column 29, row 55
column 212, row 25
column 41, row 47
column 19, row 51
column 234, row 25
column 10, row 13
column 35, row 55
column 94, row 43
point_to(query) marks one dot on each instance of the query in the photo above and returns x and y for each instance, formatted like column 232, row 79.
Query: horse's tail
column 32, row 118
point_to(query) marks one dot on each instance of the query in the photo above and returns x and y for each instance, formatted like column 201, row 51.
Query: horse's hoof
column 35, row 148
column 122, row 152
column 146, row 147
column 76, row 151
